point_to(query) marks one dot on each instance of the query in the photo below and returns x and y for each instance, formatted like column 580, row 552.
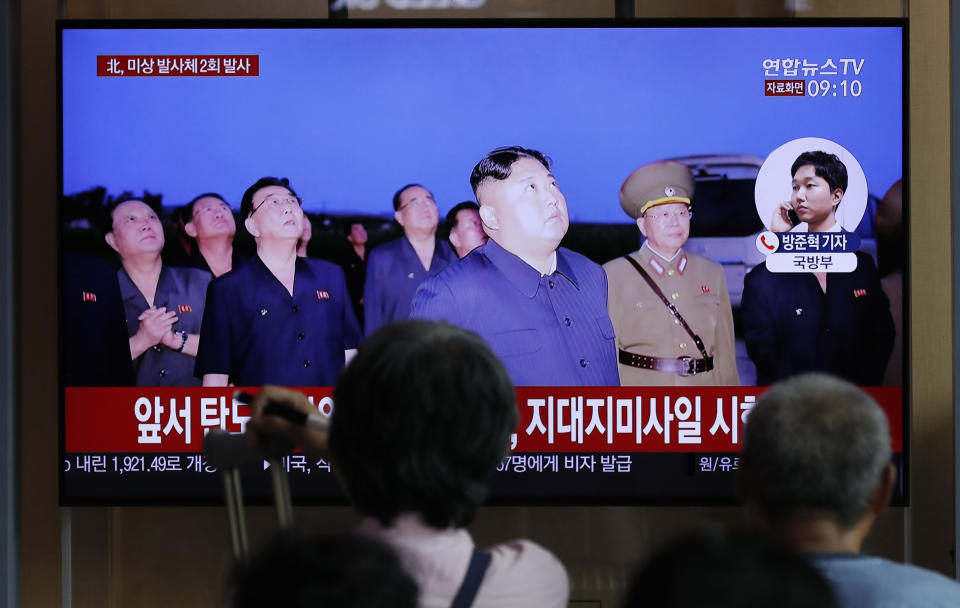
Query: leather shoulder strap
column 673, row 309
column 467, row 593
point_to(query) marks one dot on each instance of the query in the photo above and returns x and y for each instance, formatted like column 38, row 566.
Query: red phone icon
column 763, row 241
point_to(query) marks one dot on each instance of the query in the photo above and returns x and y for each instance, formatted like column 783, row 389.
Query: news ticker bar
column 552, row 419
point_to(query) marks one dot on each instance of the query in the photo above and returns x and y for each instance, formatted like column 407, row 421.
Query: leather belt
column 682, row 366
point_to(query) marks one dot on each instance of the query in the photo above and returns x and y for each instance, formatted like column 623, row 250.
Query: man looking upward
column 163, row 304
column 212, row 225
column 542, row 308
column 396, row 268
column 279, row 318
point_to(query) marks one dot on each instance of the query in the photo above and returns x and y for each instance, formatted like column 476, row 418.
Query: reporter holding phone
column 834, row 322
column 819, row 181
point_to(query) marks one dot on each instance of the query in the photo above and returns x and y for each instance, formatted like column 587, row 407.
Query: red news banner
column 552, row 419
column 178, row 65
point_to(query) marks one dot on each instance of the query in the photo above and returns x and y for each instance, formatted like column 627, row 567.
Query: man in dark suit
column 163, row 304
column 836, row 322
column 465, row 227
column 279, row 318
column 210, row 222
column 396, row 268
column 541, row 307
column 96, row 351
column 353, row 261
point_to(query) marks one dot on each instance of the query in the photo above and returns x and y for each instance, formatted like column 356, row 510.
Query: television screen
column 739, row 183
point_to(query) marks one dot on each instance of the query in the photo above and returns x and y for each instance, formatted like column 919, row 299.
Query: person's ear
column 190, row 229
column 642, row 225
column 112, row 241
column 251, row 227
column 397, row 215
column 837, row 196
column 488, row 215
column 454, row 238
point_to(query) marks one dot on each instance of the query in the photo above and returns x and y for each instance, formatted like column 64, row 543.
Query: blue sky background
column 349, row 115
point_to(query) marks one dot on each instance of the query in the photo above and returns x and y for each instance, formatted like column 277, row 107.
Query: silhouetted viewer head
column 423, row 416
column 736, row 570
column 295, row 570
column 814, row 446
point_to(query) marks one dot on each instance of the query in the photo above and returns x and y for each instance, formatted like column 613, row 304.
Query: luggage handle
column 226, row 452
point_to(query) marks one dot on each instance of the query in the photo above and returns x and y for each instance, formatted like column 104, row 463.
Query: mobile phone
column 793, row 217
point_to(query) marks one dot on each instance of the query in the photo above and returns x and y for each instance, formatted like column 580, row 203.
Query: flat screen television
column 350, row 111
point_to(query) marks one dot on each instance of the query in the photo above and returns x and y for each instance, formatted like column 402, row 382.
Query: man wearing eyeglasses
column 396, row 268
column 279, row 318
column 671, row 309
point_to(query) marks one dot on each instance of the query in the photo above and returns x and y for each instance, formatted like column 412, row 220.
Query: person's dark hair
column 728, row 570
column 106, row 220
column 246, row 203
column 888, row 224
column 188, row 217
column 396, row 195
column 496, row 165
column 423, row 416
column 182, row 215
column 814, row 442
column 310, row 571
column 826, row 166
column 451, row 219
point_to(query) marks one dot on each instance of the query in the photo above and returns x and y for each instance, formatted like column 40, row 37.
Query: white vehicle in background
column 724, row 224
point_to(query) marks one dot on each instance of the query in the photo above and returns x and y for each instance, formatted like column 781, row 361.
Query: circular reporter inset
column 775, row 182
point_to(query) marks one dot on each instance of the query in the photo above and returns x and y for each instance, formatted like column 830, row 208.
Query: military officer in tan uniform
column 683, row 335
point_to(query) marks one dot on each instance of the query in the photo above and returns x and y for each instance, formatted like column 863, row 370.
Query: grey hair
column 815, row 442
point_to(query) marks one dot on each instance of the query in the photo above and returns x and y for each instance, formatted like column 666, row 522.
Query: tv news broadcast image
column 726, row 197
